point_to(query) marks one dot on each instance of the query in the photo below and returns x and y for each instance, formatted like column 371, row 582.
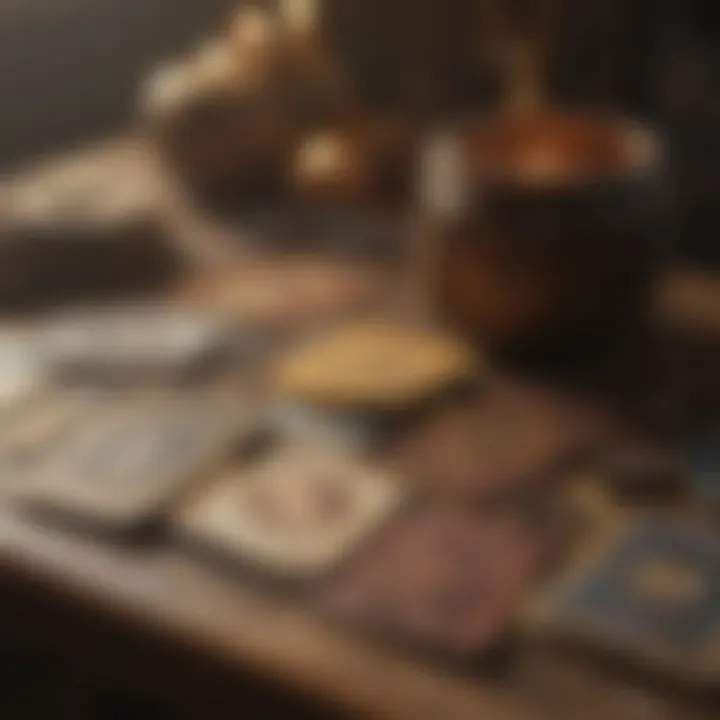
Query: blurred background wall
column 69, row 68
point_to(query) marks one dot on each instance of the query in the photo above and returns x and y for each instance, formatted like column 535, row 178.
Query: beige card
column 297, row 512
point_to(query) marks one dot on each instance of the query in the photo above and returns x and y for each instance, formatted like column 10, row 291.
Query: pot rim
column 641, row 149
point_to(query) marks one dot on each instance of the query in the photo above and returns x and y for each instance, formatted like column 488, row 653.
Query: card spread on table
column 296, row 512
column 653, row 593
column 445, row 577
column 123, row 468
column 131, row 338
column 494, row 443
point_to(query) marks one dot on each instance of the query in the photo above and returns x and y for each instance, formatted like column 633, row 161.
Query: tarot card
column 444, row 577
column 124, row 469
column 131, row 340
column 652, row 595
column 504, row 438
column 295, row 513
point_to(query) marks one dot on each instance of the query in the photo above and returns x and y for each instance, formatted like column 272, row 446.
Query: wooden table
column 164, row 627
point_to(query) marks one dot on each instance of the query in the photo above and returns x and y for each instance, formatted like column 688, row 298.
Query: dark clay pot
column 556, row 246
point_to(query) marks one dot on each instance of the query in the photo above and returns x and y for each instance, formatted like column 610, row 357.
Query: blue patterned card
column 656, row 591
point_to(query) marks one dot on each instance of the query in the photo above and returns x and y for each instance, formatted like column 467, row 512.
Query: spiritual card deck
column 124, row 468
column 295, row 513
column 446, row 578
column 651, row 595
